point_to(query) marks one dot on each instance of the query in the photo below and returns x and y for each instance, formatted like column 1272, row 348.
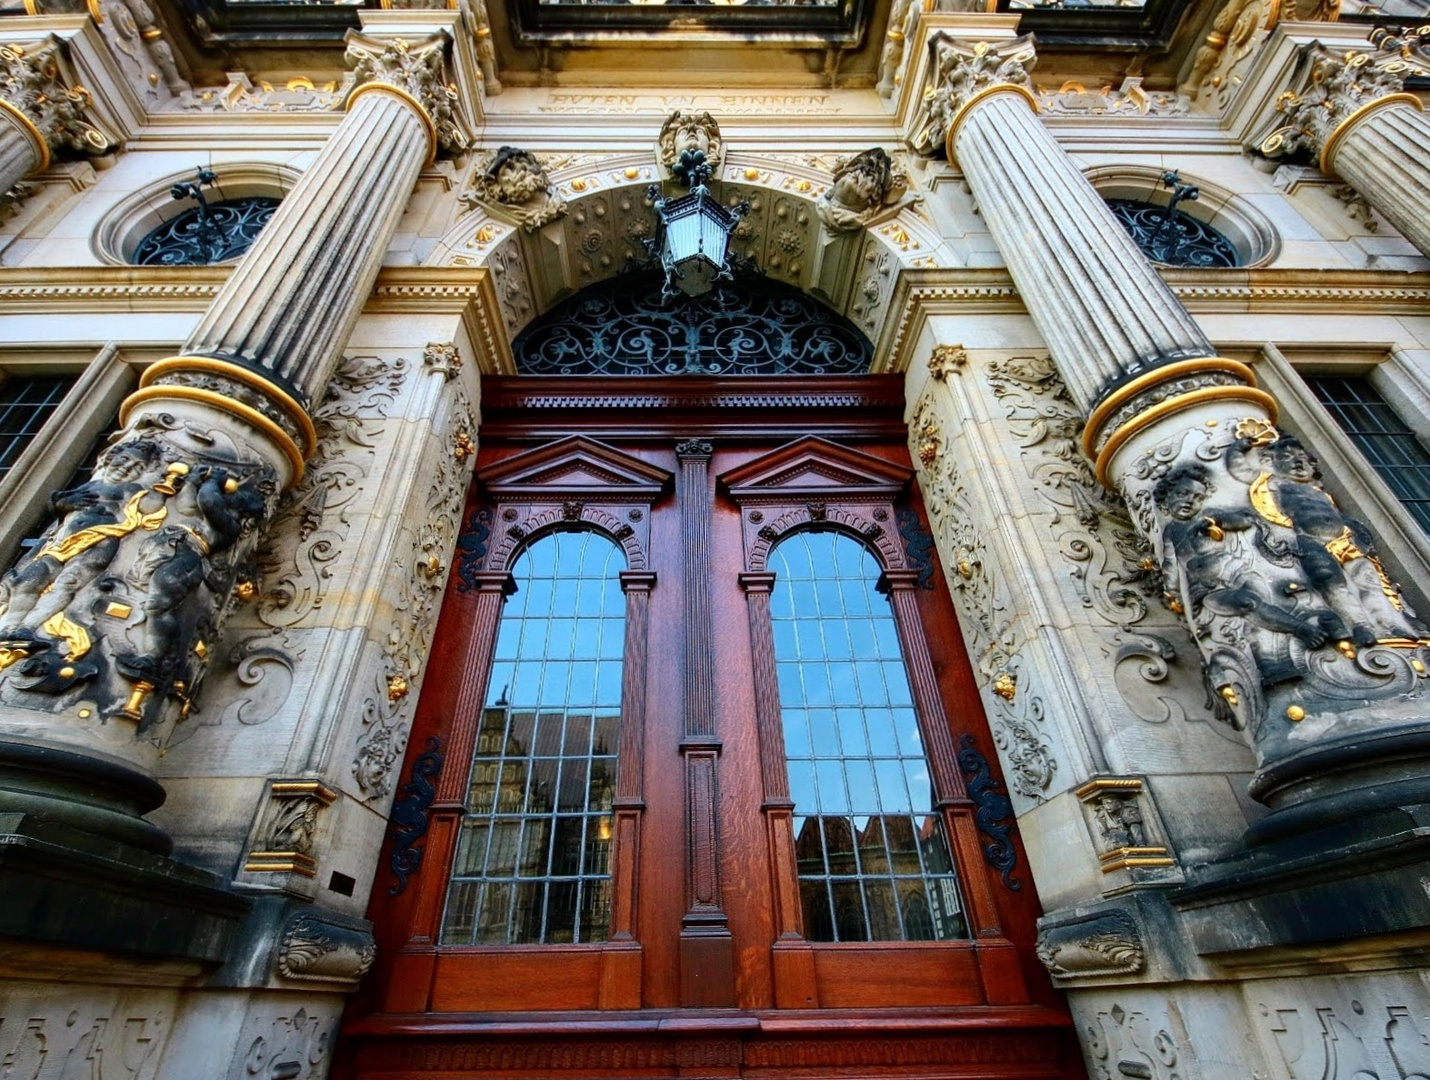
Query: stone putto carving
column 863, row 185
column 1338, row 85
column 1295, row 616
column 963, row 69
column 119, row 602
column 515, row 180
column 684, row 131
column 418, row 68
column 33, row 80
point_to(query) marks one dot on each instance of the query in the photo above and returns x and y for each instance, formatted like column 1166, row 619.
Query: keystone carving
column 961, row 70
column 684, row 131
column 34, row 81
column 417, row 68
column 863, row 186
column 515, row 180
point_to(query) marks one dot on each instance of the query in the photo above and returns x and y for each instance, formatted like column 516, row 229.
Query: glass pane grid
column 1382, row 437
column 873, row 859
column 533, row 858
column 25, row 406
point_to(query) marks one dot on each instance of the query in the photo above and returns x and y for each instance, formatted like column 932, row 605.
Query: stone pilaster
column 41, row 111
column 1354, row 118
column 1306, row 645
column 109, row 621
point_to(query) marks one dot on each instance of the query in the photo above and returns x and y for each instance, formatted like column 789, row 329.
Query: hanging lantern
column 694, row 241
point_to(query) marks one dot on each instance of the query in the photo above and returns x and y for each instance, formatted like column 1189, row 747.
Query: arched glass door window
column 533, row 860
column 873, row 857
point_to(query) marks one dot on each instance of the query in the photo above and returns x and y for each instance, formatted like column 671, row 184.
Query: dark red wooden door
column 715, row 953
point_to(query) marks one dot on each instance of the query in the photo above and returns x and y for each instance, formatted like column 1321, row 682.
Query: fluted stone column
column 1355, row 120
column 1307, row 647
column 41, row 111
column 109, row 621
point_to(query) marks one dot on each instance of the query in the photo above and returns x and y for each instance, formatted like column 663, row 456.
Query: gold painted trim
column 1107, row 784
column 33, row 132
column 1334, row 138
column 289, row 405
column 1162, row 409
column 1119, row 861
column 280, row 862
column 967, row 107
column 252, row 416
column 398, row 92
column 305, row 787
column 1127, row 391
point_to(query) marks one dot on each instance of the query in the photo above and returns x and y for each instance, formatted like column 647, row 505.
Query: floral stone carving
column 32, row 80
column 418, row 69
column 323, row 950
column 1106, row 943
column 962, row 70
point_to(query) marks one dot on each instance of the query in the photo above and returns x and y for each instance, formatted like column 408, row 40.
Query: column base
column 1312, row 887
column 1346, row 780
column 72, row 888
column 103, row 799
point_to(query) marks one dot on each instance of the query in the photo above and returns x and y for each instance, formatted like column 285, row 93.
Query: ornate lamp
column 694, row 240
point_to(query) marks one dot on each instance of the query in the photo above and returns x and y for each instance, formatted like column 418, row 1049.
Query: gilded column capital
column 35, row 88
column 415, row 71
column 965, row 73
column 1341, row 89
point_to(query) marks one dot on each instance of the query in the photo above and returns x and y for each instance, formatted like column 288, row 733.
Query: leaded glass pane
column 872, row 855
column 25, row 405
column 1386, row 441
column 533, row 860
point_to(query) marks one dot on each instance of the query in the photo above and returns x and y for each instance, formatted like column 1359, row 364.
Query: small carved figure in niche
column 78, row 549
column 1335, row 553
column 863, row 185
column 1120, row 819
column 684, row 131
column 516, row 180
column 1222, row 578
column 212, row 510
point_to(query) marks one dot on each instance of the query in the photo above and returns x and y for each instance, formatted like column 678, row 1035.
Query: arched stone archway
column 855, row 273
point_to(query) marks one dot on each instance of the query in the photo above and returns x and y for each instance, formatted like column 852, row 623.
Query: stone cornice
column 921, row 294
column 467, row 291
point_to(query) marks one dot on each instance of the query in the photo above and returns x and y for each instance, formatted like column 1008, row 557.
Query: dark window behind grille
column 873, row 860
column 1385, row 440
column 533, row 860
column 25, row 406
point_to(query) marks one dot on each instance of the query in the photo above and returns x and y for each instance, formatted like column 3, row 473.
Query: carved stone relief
column 418, row 68
column 293, row 1041
column 119, row 1036
column 985, row 612
column 1105, row 943
column 34, row 79
column 1220, row 64
column 1340, row 1037
column 284, row 837
column 513, row 182
column 242, row 95
column 419, row 575
column 1120, row 1043
column 1112, row 570
column 1295, row 617
column 320, row 950
column 1129, row 99
column 115, row 611
column 684, row 131
column 864, row 186
column 138, row 43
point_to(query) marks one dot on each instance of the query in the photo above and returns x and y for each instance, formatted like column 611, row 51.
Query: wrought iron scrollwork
column 918, row 544
column 205, row 234
column 992, row 811
column 1167, row 235
column 409, row 814
column 751, row 326
column 472, row 547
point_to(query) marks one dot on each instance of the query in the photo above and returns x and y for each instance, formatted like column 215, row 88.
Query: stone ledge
column 66, row 887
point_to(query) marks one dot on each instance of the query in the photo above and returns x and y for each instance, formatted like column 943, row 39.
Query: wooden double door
column 689, row 780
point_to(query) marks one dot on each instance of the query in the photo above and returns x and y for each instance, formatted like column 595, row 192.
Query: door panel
column 668, row 957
